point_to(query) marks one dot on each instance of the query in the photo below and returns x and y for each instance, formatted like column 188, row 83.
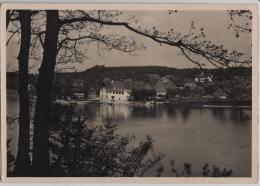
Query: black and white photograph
column 129, row 92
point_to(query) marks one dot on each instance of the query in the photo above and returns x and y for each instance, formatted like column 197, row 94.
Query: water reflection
column 90, row 111
column 171, row 112
column 239, row 116
column 219, row 114
column 217, row 132
column 146, row 112
column 185, row 112
column 114, row 114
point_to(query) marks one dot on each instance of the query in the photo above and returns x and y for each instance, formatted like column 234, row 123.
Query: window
column 123, row 92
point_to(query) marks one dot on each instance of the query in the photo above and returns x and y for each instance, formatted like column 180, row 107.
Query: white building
column 115, row 91
column 203, row 78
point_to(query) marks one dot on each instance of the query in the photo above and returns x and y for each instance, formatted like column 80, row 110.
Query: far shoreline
column 177, row 102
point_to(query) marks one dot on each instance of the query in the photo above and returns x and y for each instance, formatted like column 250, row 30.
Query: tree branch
column 12, row 35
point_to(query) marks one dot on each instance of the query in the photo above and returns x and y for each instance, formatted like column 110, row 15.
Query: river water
column 218, row 136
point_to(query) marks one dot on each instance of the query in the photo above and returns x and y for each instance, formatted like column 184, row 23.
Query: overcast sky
column 215, row 25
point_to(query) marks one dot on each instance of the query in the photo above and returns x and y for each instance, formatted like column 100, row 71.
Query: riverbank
column 176, row 103
column 187, row 101
column 209, row 102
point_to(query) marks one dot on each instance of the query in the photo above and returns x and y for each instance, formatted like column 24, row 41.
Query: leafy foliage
column 10, row 159
column 214, row 171
column 143, row 94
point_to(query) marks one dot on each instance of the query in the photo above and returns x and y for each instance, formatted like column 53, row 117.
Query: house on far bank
column 92, row 93
column 219, row 93
column 79, row 90
column 79, row 93
column 161, row 86
column 158, row 86
column 115, row 91
column 203, row 78
column 169, row 85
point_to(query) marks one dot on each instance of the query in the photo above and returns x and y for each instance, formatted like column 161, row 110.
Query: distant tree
column 143, row 94
column 240, row 88
column 171, row 93
column 210, row 89
column 185, row 92
column 198, row 91
column 207, row 171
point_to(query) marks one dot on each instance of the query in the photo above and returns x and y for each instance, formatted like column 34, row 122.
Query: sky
column 215, row 24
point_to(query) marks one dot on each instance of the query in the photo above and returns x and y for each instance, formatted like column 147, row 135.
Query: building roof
column 129, row 83
column 153, row 76
column 117, row 85
column 138, row 85
column 152, row 82
column 169, row 84
column 159, row 87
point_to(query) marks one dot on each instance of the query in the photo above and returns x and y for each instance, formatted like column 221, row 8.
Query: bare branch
column 16, row 31
column 216, row 55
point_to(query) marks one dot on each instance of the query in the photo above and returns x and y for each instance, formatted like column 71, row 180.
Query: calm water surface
column 219, row 136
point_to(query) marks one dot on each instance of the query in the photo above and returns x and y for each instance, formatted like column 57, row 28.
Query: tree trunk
column 7, row 18
column 41, row 159
column 23, row 162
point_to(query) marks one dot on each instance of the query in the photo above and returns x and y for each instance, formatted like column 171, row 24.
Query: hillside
column 98, row 73
column 138, row 72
